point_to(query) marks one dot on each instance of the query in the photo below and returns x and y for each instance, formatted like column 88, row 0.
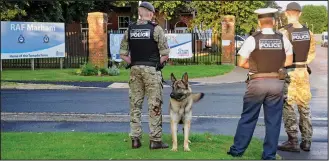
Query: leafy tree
column 169, row 8
column 209, row 14
column 10, row 11
column 51, row 11
column 316, row 15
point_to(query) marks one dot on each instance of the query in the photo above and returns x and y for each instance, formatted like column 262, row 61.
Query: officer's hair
column 266, row 21
column 293, row 12
column 143, row 12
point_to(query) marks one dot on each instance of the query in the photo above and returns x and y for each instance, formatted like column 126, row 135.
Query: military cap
column 266, row 12
column 294, row 6
column 148, row 6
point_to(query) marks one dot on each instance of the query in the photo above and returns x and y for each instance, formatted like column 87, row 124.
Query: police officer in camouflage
column 148, row 48
column 265, row 54
column 297, row 85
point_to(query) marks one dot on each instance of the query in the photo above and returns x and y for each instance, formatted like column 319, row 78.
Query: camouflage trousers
column 297, row 90
column 145, row 81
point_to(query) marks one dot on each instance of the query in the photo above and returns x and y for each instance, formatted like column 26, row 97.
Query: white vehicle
column 324, row 39
column 239, row 41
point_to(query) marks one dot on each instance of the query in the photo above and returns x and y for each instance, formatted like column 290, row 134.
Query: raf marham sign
column 24, row 40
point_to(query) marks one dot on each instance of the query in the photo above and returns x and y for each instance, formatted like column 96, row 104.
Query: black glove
column 160, row 66
column 128, row 66
column 309, row 70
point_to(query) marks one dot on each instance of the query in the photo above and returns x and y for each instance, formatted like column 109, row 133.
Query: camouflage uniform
column 297, row 90
column 145, row 80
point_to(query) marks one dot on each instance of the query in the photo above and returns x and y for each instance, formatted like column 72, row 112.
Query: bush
column 87, row 69
column 113, row 70
column 104, row 71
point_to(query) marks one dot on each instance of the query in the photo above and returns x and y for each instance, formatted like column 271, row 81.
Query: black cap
column 294, row 6
column 148, row 6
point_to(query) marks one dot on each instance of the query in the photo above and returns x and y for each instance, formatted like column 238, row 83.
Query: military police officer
column 264, row 53
column 297, row 85
column 148, row 49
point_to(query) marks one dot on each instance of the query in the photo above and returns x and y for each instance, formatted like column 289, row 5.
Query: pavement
column 104, row 108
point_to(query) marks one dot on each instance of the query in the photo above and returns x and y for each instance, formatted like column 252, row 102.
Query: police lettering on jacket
column 140, row 34
column 273, row 44
column 300, row 36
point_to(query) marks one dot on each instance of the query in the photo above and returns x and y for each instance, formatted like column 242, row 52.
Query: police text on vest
column 140, row 34
column 300, row 36
column 270, row 44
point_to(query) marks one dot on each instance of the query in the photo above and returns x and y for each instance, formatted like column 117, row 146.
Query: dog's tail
column 197, row 97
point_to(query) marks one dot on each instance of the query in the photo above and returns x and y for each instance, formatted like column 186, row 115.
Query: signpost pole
column 61, row 63
column 32, row 64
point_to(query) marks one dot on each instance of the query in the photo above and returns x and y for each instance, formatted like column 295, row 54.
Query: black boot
column 290, row 145
column 158, row 145
column 305, row 145
column 135, row 143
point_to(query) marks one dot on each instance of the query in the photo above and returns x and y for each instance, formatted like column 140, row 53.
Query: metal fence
column 205, row 47
column 77, row 51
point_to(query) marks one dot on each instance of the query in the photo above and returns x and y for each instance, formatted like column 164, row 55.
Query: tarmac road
column 221, row 109
column 217, row 113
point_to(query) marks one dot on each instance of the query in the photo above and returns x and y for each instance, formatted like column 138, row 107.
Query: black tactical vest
column 300, row 39
column 143, row 48
column 269, row 54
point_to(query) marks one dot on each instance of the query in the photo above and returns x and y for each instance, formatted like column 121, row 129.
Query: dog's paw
column 173, row 149
column 187, row 149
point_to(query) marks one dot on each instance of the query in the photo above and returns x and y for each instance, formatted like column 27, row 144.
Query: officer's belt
column 152, row 64
column 296, row 66
column 264, row 75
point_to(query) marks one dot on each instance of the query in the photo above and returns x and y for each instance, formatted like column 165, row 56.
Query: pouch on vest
column 282, row 73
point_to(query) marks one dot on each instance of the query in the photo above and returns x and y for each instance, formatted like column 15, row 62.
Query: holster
column 248, row 78
column 309, row 70
column 282, row 73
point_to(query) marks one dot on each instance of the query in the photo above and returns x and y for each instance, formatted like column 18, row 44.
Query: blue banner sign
column 180, row 46
column 24, row 40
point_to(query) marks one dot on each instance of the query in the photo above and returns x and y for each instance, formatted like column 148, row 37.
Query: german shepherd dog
column 180, row 108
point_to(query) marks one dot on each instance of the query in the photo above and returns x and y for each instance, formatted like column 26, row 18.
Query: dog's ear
column 172, row 77
column 185, row 77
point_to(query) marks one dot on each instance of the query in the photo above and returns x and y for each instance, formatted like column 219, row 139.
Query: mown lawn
column 97, row 146
column 194, row 71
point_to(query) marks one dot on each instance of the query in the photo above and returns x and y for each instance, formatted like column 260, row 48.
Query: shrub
column 87, row 69
column 113, row 70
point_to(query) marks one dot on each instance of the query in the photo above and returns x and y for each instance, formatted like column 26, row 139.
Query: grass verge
column 78, row 145
column 194, row 71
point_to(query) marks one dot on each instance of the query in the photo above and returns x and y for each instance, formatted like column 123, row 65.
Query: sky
column 283, row 4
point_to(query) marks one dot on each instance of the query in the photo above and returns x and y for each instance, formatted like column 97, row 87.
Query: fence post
column 61, row 63
column 32, row 64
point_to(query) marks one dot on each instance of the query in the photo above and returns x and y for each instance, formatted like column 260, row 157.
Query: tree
column 168, row 8
column 10, row 11
column 51, row 11
column 316, row 15
column 209, row 14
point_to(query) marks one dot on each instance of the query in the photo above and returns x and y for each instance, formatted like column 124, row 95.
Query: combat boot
column 305, row 145
column 158, row 145
column 290, row 145
column 135, row 143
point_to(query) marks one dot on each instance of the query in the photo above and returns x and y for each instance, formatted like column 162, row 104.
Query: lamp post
column 139, row 3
